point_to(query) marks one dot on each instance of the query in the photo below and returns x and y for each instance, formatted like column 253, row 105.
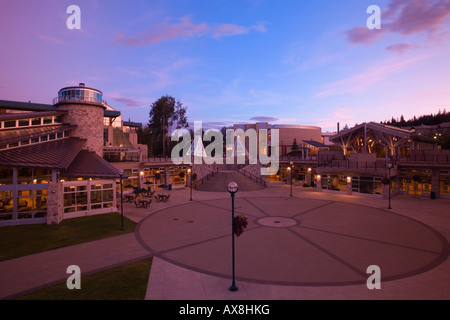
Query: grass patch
column 17, row 241
column 126, row 282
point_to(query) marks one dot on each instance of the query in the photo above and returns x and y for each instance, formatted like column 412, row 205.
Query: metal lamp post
column 292, row 171
column 190, row 171
column 290, row 177
column 232, row 189
column 121, row 197
column 389, row 167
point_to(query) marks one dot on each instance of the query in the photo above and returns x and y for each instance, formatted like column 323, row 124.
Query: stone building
column 51, row 159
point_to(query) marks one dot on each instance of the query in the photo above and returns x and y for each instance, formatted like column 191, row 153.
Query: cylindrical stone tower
column 86, row 111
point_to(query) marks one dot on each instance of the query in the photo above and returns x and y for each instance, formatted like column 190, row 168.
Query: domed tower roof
column 81, row 94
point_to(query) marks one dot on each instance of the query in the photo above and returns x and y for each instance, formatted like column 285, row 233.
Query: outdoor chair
column 141, row 203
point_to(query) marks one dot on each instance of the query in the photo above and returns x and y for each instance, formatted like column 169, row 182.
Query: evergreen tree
column 295, row 146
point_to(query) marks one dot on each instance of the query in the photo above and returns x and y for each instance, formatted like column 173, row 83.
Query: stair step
column 220, row 180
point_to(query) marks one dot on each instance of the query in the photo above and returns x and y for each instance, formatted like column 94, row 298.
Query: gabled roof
column 132, row 124
column 27, row 106
column 40, row 107
column 315, row 144
column 88, row 164
column 28, row 115
column 402, row 133
column 10, row 136
column 56, row 154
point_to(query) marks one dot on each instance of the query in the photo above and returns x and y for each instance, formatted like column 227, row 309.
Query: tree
column 164, row 112
column 294, row 145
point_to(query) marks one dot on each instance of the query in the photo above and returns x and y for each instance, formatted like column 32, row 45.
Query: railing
column 78, row 98
column 253, row 176
column 434, row 158
column 199, row 182
column 157, row 159
column 347, row 164
column 297, row 158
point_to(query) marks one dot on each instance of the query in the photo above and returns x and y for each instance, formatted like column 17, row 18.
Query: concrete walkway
column 340, row 235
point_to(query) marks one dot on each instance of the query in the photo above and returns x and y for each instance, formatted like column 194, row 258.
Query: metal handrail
column 257, row 179
column 78, row 98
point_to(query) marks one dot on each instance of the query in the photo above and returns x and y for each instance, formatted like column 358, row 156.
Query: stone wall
column 55, row 203
column 89, row 121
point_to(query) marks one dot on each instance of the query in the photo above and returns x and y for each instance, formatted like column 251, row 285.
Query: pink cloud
column 369, row 77
column 363, row 35
column 413, row 16
column 49, row 39
column 128, row 102
column 185, row 29
column 405, row 17
column 399, row 47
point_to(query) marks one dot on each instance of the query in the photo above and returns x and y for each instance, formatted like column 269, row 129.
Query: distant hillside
column 427, row 120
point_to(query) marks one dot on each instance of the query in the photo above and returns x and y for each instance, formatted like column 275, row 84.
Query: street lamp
column 389, row 167
column 290, row 177
column 292, row 170
column 190, row 171
column 232, row 189
column 121, row 197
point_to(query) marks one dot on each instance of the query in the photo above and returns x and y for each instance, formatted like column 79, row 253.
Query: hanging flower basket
column 240, row 223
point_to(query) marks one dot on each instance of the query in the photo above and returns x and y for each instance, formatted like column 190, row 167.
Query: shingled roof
column 88, row 164
column 56, row 154
column 14, row 135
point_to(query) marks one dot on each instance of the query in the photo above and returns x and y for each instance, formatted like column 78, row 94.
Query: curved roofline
column 294, row 126
column 79, row 87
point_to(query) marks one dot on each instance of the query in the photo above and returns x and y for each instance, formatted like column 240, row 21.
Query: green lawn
column 17, row 241
column 126, row 282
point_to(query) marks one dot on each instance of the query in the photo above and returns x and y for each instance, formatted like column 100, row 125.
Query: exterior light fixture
column 389, row 167
column 121, row 196
column 190, row 171
column 232, row 189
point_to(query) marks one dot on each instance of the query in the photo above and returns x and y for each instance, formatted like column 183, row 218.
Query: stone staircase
column 219, row 182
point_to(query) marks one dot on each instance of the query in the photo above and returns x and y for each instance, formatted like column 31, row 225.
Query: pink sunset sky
column 293, row 62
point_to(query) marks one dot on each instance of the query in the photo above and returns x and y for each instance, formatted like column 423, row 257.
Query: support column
column 55, row 200
column 319, row 184
column 435, row 186
column 349, row 186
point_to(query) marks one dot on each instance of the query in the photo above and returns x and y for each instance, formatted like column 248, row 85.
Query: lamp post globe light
column 190, row 171
column 389, row 167
column 121, row 197
column 232, row 189
column 291, row 169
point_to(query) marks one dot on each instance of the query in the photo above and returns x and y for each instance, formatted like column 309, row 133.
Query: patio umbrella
column 148, row 182
column 129, row 186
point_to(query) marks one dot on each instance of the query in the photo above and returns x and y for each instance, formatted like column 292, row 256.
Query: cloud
column 363, row 35
column 128, row 102
column 372, row 75
column 404, row 17
column 264, row 119
column 49, row 39
column 399, row 47
column 184, row 28
column 415, row 16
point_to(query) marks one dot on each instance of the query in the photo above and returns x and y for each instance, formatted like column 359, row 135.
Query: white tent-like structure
column 197, row 149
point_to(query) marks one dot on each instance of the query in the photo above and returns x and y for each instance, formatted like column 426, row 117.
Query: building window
column 9, row 124
column 24, row 123
column 48, row 120
column 6, row 205
column 36, row 121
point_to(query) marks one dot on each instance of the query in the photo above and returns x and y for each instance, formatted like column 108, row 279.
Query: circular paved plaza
column 292, row 241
